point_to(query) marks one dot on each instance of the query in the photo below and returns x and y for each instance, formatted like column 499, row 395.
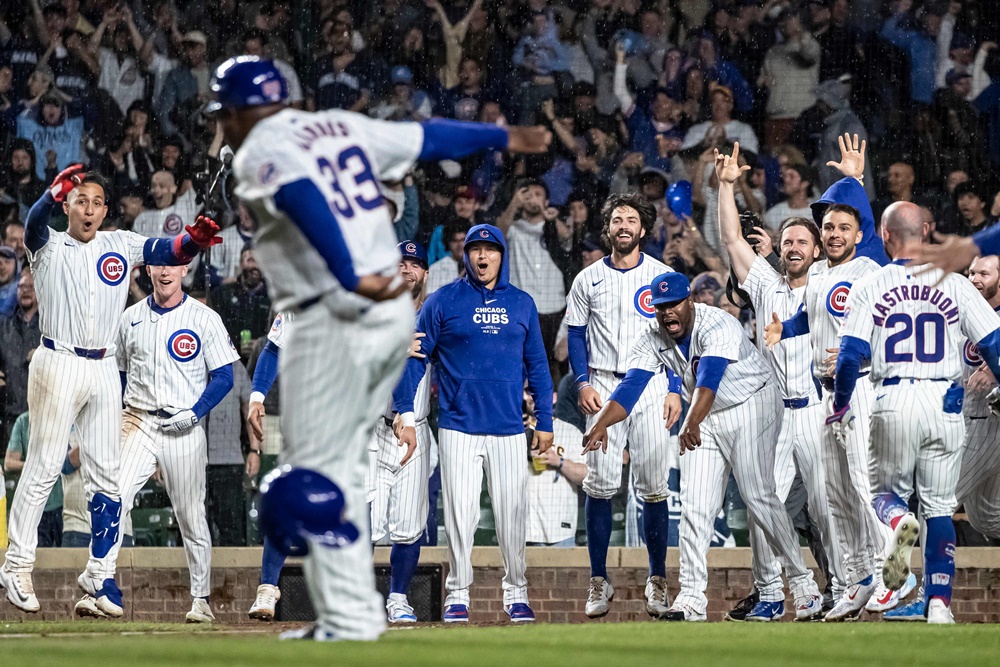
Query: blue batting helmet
column 300, row 506
column 247, row 81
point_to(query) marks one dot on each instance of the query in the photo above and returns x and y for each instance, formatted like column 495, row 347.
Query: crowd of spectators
column 637, row 93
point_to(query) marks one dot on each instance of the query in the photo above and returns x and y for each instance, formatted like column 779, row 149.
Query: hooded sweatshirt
column 485, row 342
column 849, row 191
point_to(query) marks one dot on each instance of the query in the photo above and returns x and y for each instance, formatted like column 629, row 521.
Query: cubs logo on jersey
column 643, row 301
column 836, row 300
column 184, row 345
column 111, row 268
column 970, row 354
column 269, row 173
column 694, row 366
column 173, row 224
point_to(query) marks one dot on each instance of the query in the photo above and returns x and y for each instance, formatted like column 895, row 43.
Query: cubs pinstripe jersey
column 169, row 221
column 792, row 360
column 277, row 333
column 715, row 333
column 167, row 355
column 975, row 404
column 826, row 303
column 82, row 287
column 614, row 305
column 344, row 155
column 917, row 329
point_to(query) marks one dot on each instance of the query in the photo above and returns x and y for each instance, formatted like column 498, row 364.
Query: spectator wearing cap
column 659, row 134
column 539, row 56
column 704, row 287
column 8, row 280
column 796, row 184
column 404, row 101
column 961, row 52
column 958, row 123
column 186, row 86
column 340, row 79
column 451, row 267
column 923, row 43
column 55, row 135
column 124, row 58
column 790, row 73
column 721, row 128
column 257, row 43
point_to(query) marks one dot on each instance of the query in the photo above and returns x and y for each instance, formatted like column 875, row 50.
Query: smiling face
column 166, row 281
column 625, row 230
column 86, row 209
column 985, row 275
column 798, row 251
column 840, row 234
column 414, row 274
column 163, row 188
column 486, row 259
column 676, row 319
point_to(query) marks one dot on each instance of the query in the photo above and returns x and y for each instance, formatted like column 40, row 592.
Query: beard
column 624, row 247
column 990, row 291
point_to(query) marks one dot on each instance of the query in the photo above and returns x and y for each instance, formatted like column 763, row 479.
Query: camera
column 747, row 223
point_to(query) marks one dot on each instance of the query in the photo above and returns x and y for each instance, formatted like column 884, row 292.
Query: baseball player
column 484, row 336
column 81, row 281
column 175, row 357
column 914, row 328
column 798, row 444
column 861, row 535
column 325, row 242
column 732, row 425
column 979, row 479
column 609, row 303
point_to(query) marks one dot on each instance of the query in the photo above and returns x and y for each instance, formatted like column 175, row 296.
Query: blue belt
column 796, row 403
column 162, row 414
column 78, row 351
column 888, row 382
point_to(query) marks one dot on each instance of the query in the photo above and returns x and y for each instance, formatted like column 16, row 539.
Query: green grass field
column 601, row 645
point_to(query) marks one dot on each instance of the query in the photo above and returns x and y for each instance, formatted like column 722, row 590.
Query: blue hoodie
column 484, row 342
column 850, row 191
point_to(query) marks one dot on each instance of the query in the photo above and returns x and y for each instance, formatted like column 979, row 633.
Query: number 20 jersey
column 345, row 155
column 917, row 329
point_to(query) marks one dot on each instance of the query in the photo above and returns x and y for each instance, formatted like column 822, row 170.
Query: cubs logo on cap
column 486, row 233
column 836, row 300
column 413, row 250
column 970, row 354
column 644, row 301
column 111, row 268
column 184, row 345
column 247, row 81
column 668, row 288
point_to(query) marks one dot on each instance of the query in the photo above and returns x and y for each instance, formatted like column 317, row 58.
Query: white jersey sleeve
column 858, row 320
column 219, row 348
column 277, row 333
column 578, row 302
column 721, row 337
column 135, row 243
column 643, row 356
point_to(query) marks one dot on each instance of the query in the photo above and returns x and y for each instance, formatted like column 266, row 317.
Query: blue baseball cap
column 413, row 250
column 669, row 287
column 401, row 74
column 247, row 81
column 487, row 233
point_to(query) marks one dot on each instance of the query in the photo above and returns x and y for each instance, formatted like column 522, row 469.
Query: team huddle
column 873, row 380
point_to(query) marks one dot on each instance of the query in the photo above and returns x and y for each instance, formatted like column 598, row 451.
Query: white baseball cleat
column 87, row 608
column 850, row 604
column 939, row 613
column 20, row 590
column 599, row 597
column 657, row 597
column 107, row 596
column 897, row 565
column 200, row 612
column 263, row 607
column 683, row 612
column 809, row 608
column 398, row 609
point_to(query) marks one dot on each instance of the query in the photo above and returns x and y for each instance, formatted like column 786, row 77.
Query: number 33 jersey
column 916, row 329
column 345, row 155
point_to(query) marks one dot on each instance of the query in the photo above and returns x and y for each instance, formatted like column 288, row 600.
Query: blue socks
column 402, row 564
column 598, row 513
column 888, row 507
column 655, row 524
column 939, row 558
column 271, row 564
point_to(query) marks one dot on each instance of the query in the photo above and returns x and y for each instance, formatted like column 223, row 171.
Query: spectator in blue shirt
column 919, row 42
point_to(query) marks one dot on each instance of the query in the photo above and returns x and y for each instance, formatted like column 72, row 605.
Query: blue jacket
column 850, row 191
column 922, row 50
column 484, row 343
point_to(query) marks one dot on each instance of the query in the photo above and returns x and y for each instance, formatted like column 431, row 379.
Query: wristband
column 256, row 397
column 408, row 420
column 561, row 461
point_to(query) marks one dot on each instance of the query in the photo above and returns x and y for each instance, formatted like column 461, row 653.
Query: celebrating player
column 914, row 333
column 81, row 277
column 802, row 421
column 484, row 335
column 175, row 358
column 326, row 244
column 609, row 301
column 732, row 424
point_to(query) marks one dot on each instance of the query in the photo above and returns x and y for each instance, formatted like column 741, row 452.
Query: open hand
column 772, row 332
column 852, row 157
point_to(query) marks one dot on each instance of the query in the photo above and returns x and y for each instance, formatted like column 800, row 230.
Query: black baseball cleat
column 743, row 607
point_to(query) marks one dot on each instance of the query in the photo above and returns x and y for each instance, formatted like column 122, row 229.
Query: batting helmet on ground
column 247, row 81
column 300, row 506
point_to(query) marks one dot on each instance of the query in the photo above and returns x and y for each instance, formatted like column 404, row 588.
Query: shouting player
column 802, row 421
column 914, row 328
column 325, row 241
column 609, row 304
column 175, row 358
column 732, row 425
column 483, row 334
column 81, row 277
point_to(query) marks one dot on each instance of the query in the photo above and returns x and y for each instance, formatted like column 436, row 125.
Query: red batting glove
column 204, row 231
column 68, row 178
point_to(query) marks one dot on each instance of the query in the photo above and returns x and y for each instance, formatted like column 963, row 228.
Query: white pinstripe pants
column 335, row 375
column 798, row 447
column 504, row 458
column 65, row 390
column 979, row 481
column 399, row 501
column 742, row 439
column 646, row 436
column 182, row 457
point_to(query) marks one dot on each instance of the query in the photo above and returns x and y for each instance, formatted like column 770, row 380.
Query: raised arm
column 741, row 254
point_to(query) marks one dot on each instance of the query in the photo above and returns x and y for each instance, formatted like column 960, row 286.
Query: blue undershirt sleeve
column 796, row 325
column 710, row 372
column 36, row 225
column 266, row 370
column 577, row 344
column 853, row 352
column 172, row 251
column 987, row 240
column 220, row 381
column 628, row 391
column 674, row 381
column 406, row 389
column 989, row 348
column 454, row 139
